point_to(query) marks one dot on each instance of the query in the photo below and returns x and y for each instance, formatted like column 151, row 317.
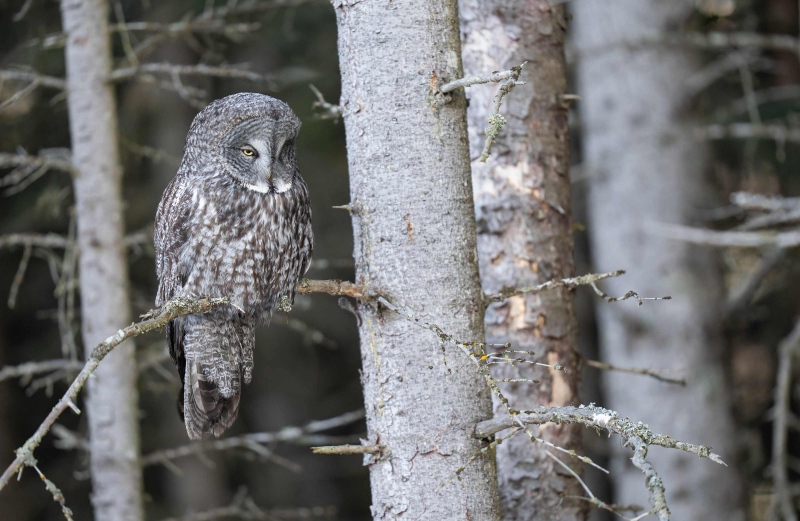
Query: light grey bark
column 522, row 201
column 644, row 165
column 414, row 229
column 112, row 401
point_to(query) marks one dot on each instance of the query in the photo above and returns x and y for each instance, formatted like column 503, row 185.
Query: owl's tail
column 208, row 407
column 212, row 353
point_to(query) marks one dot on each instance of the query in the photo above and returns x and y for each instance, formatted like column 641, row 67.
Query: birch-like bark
column 644, row 164
column 414, row 228
column 522, row 203
column 112, row 401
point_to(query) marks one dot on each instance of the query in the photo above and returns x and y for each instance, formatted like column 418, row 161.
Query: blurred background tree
column 726, row 71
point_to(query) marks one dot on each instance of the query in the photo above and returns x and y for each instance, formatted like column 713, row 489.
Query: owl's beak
column 269, row 174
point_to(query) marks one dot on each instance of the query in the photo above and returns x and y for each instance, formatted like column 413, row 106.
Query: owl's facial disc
column 261, row 156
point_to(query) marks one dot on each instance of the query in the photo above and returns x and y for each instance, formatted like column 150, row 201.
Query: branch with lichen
column 636, row 436
column 510, row 79
column 323, row 109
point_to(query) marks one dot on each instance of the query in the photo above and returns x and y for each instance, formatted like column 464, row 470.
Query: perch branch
column 349, row 449
column 334, row 287
column 155, row 320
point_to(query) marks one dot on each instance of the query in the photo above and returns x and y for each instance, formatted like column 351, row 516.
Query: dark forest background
column 307, row 362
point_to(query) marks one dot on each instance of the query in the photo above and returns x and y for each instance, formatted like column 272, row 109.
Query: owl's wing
column 170, row 236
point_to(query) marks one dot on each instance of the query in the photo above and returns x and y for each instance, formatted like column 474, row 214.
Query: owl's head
column 251, row 137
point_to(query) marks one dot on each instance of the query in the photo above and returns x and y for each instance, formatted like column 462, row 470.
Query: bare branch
column 15, row 160
column 572, row 282
column 779, row 133
column 26, row 240
column 324, row 109
column 196, row 25
column 733, row 239
column 751, row 201
column 33, row 77
column 295, row 435
column 706, row 40
column 29, row 369
column 662, row 374
column 227, row 71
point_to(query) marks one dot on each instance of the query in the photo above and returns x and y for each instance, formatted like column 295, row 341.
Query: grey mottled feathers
column 235, row 222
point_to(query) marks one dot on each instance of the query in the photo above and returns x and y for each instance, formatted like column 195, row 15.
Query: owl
column 234, row 222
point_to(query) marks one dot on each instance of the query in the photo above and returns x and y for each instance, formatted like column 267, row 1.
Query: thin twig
column 295, row 435
column 775, row 132
column 496, row 120
column 15, row 160
column 41, row 80
column 657, row 374
column 325, row 110
column 193, row 70
column 29, row 369
column 572, row 282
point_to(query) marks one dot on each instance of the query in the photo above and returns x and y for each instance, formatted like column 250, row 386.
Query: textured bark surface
column 522, row 203
column 644, row 165
column 112, row 402
column 414, row 229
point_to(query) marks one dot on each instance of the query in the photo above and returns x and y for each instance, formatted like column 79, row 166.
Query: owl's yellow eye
column 249, row 152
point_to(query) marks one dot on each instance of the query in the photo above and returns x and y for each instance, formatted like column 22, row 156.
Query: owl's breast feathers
column 248, row 246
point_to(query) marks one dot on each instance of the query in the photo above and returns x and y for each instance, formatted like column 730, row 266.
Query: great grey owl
column 234, row 222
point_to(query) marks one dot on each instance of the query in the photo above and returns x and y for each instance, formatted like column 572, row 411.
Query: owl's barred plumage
column 234, row 222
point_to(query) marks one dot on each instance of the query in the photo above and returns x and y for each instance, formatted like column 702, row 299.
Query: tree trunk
column 112, row 400
column 522, row 201
column 414, row 229
column 644, row 165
